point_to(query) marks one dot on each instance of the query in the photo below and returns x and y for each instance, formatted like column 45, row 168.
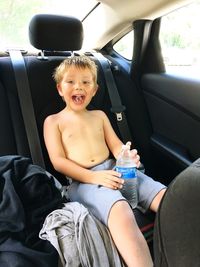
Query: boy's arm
column 52, row 137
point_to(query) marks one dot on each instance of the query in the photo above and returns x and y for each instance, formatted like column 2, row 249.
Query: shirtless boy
column 79, row 143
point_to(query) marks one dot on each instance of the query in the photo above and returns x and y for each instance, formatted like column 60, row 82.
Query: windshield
column 15, row 16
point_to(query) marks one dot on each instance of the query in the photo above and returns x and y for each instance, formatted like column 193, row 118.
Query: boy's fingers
column 134, row 152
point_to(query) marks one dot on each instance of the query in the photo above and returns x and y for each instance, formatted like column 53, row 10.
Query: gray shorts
column 99, row 199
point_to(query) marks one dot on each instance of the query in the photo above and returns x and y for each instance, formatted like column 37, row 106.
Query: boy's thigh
column 98, row 199
column 147, row 190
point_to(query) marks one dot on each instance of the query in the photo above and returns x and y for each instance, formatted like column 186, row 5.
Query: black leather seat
column 177, row 226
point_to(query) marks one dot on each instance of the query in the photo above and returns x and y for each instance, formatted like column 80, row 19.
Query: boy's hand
column 135, row 157
column 107, row 178
column 134, row 154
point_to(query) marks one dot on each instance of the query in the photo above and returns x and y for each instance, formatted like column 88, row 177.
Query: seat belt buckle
column 118, row 110
column 119, row 116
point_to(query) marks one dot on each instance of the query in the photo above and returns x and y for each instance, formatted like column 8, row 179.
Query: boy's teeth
column 78, row 98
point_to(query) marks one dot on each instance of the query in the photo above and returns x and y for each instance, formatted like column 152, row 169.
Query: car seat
column 177, row 224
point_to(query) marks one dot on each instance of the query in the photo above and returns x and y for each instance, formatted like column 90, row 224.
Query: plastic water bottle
column 127, row 167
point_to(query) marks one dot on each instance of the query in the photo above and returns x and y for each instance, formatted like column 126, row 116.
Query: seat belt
column 117, row 107
column 26, row 105
column 115, row 99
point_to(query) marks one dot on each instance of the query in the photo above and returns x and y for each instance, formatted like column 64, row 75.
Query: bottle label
column 127, row 172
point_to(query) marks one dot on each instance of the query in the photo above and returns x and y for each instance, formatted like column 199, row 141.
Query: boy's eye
column 69, row 81
column 86, row 82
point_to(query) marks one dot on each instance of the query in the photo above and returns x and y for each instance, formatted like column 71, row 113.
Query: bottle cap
column 128, row 145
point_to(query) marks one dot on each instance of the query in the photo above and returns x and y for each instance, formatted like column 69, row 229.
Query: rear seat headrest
column 55, row 32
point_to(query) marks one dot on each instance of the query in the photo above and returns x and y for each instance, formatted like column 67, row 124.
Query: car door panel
column 174, row 110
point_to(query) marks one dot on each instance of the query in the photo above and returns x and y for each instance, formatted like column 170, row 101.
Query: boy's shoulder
column 53, row 118
column 98, row 113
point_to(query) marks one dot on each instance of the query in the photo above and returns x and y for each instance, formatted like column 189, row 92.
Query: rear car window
column 15, row 16
column 124, row 46
column 181, row 43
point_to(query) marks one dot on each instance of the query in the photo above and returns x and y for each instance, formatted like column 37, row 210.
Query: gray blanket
column 80, row 239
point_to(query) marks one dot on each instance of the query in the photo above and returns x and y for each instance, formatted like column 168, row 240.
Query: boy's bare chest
column 84, row 129
column 84, row 141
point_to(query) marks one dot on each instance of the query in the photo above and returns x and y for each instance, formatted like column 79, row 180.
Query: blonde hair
column 81, row 62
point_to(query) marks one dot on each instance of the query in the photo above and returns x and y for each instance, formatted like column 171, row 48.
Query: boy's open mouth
column 78, row 99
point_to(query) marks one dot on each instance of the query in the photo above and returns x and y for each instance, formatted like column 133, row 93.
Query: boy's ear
column 95, row 90
column 59, row 89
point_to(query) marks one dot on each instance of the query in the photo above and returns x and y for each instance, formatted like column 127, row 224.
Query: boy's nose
column 78, row 86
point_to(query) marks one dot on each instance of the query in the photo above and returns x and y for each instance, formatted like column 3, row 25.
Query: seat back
column 177, row 231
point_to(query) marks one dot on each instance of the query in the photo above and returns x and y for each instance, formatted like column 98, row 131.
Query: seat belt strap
column 26, row 105
column 115, row 99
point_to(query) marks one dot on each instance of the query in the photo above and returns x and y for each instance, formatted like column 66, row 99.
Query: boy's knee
column 157, row 199
column 121, row 204
column 121, row 208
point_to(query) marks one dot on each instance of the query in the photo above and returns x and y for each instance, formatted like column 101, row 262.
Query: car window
column 124, row 46
column 15, row 16
column 180, row 40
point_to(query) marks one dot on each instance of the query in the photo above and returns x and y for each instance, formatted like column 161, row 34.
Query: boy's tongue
column 78, row 99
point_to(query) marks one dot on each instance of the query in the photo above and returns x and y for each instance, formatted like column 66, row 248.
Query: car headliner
column 112, row 17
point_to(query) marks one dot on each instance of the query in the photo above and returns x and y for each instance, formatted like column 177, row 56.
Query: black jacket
column 27, row 195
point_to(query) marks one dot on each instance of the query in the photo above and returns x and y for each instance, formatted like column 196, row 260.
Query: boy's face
column 77, row 88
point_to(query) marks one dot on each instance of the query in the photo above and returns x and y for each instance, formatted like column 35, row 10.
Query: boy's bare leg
column 156, row 201
column 127, row 236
